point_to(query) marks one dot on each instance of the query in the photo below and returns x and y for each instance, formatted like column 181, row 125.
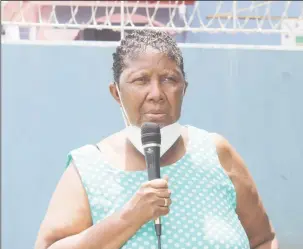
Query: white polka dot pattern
column 202, row 214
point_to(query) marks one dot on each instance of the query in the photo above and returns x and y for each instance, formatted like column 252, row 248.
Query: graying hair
column 138, row 41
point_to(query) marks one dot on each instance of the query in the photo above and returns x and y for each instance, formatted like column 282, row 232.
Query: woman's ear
column 113, row 88
column 185, row 87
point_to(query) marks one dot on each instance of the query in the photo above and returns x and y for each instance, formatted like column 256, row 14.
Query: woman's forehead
column 151, row 59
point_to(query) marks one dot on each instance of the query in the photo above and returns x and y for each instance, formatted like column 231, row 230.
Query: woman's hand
column 148, row 203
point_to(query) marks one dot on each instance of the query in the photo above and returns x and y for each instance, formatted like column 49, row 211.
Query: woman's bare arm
column 68, row 223
column 250, row 209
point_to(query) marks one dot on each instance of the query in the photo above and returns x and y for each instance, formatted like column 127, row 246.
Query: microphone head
column 150, row 133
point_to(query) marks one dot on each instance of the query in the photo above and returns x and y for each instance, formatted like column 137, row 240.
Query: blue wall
column 56, row 98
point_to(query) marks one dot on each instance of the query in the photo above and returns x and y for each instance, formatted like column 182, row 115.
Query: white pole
column 122, row 20
column 234, row 15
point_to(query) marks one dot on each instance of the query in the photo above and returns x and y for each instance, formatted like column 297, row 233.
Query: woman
column 207, row 198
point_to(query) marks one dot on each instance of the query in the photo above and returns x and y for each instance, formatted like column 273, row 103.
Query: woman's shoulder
column 93, row 151
column 222, row 145
column 109, row 141
column 226, row 152
column 233, row 164
column 114, row 142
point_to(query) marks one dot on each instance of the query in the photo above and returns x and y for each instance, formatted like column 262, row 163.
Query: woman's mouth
column 155, row 116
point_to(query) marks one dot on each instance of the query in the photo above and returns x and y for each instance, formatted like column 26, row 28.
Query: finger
column 162, row 211
column 158, row 183
column 165, row 177
column 161, row 202
column 163, row 193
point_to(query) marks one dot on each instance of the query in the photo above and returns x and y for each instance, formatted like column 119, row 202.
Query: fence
column 236, row 22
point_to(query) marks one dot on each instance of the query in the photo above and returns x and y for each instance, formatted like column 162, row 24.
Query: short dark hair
column 137, row 41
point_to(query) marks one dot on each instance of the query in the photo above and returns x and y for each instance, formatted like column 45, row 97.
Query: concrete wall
column 56, row 98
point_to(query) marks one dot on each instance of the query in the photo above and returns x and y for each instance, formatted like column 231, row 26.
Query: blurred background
column 243, row 60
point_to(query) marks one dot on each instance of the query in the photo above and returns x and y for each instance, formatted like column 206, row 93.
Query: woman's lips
column 156, row 116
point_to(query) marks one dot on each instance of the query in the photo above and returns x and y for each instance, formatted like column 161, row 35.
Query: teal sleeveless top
column 202, row 213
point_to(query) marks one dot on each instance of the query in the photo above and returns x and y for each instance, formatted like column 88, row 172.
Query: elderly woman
column 206, row 198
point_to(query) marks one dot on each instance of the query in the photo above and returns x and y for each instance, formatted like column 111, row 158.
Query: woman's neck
column 175, row 153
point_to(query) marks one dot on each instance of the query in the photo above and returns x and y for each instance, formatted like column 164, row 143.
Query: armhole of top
column 70, row 163
column 232, row 191
column 70, row 156
column 69, row 160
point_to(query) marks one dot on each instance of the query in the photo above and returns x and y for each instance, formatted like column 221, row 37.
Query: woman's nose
column 155, row 91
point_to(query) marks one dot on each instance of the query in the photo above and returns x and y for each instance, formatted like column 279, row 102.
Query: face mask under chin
column 169, row 135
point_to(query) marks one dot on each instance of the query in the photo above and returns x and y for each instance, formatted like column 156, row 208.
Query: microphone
column 151, row 142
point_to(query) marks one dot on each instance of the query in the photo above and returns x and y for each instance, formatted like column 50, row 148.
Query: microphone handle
column 152, row 159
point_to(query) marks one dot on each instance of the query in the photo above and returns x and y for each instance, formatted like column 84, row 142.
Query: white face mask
column 169, row 133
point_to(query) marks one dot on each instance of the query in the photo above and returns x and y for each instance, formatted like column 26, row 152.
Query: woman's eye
column 170, row 79
column 141, row 80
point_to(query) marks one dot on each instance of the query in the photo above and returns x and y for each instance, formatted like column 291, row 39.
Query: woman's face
column 151, row 88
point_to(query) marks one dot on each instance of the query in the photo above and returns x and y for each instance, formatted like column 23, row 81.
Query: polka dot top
column 202, row 213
